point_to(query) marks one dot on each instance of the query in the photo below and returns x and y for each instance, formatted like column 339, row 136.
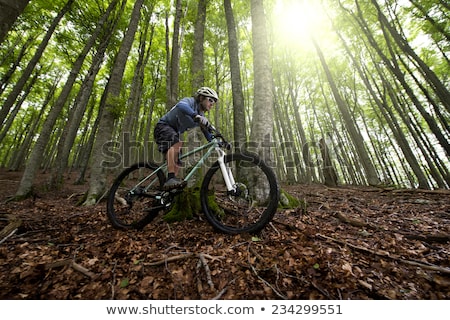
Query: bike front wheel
column 133, row 198
column 248, row 208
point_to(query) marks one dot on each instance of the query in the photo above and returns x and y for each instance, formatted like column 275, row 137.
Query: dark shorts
column 165, row 136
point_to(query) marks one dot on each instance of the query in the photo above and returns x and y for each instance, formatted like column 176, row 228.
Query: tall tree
column 439, row 88
column 82, row 98
column 9, row 11
column 35, row 159
column 358, row 140
column 111, row 110
column 262, row 122
column 240, row 132
column 7, row 105
column 198, row 74
column 174, row 64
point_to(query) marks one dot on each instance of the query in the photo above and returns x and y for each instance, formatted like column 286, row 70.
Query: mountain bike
column 239, row 193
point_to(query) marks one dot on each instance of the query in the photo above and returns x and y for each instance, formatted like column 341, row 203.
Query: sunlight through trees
column 357, row 87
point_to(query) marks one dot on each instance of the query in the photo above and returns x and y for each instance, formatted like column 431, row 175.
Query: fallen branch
column 353, row 222
column 113, row 282
column 9, row 235
column 440, row 238
column 279, row 294
column 72, row 264
column 388, row 255
column 170, row 259
column 83, row 270
column 207, row 270
column 11, row 228
column 222, row 292
column 436, row 191
column 180, row 257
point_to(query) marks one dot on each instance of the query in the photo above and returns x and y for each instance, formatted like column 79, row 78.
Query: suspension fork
column 226, row 171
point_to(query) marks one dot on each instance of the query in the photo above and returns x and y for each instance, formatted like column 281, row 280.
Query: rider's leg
column 172, row 158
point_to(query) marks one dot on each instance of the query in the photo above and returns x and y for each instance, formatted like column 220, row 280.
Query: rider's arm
column 186, row 109
column 207, row 134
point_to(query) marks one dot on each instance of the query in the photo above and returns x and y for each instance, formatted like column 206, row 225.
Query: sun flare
column 295, row 21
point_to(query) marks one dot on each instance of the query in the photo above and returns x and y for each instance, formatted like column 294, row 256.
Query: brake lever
column 211, row 129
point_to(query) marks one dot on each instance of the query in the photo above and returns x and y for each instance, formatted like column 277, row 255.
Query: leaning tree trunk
column 76, row 113
column 97, row 183
column 358, row 141
column 11, row 99
column 34, row 161
column 9, row 11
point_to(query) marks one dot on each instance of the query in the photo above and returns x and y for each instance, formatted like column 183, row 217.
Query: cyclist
column 186, row 114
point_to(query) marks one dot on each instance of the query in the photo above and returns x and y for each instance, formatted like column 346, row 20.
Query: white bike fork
column 226, row 171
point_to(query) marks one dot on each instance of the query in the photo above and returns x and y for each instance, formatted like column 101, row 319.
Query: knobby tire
column 249, row 209
column 129, row 207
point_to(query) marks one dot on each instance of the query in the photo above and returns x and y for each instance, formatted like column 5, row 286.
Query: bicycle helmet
column 207, row 92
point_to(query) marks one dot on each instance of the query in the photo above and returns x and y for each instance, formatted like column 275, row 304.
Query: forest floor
column 344, row 243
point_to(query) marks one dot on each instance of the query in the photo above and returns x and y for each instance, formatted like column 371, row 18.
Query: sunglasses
column 211, row 100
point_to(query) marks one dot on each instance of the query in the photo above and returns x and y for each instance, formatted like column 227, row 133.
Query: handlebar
column 216, row 134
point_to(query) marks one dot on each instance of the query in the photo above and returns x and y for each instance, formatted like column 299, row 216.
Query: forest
column 347, row 100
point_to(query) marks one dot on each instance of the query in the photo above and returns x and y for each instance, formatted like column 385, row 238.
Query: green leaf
column 316, row 266
column 124, row 283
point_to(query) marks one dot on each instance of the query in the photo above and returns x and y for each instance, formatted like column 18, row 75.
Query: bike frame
column 209, row 147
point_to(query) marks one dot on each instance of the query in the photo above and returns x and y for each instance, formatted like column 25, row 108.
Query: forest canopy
column 359, row 89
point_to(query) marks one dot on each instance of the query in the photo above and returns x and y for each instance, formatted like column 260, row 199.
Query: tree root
column 388, row 255
column 441, row 238
column 202, row 262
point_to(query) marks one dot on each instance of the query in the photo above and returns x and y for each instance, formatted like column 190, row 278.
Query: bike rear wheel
column 248, row 209
column 132, row 200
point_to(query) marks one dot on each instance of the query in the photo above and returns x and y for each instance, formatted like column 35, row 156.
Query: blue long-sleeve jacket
column 181, row 116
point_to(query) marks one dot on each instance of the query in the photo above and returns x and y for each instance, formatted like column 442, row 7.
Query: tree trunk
column 263, row 119
column 240, row 131
column 20, row 157
column 174, row 69
column 4, row 81
column 9, row 121
column 130, row 128
column 358, row 141
column 439, row 88
column 328, row 171
column 7, row 105
column 9, row 11
column 392, row 65
column 195, row 136
column 35, row 158
column 81, row 101
column 111, row 110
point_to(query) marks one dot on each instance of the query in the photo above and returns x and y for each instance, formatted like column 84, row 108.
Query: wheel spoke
column 250, row 206
column 132, row 197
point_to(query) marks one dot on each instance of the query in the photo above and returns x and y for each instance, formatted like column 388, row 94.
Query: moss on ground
column 288, row 201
